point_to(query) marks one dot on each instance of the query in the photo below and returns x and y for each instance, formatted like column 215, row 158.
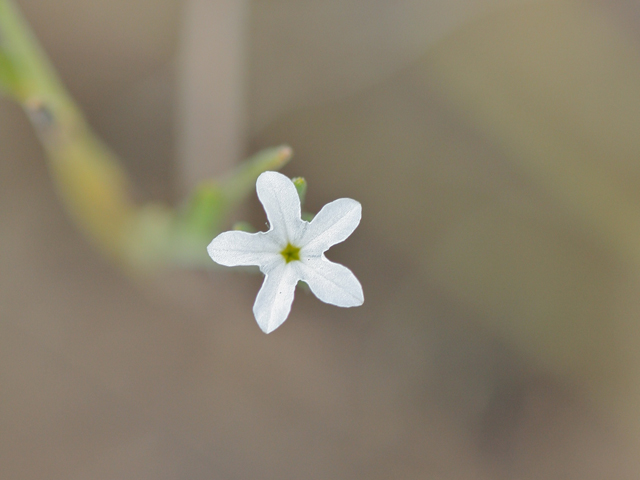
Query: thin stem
column 89, row 178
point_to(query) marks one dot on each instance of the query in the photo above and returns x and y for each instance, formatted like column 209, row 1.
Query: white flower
column 292, row 250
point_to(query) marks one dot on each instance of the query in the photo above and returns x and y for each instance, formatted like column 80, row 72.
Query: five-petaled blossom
column 292, row 250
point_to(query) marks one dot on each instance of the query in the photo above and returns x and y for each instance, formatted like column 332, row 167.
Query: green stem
column 89, row 178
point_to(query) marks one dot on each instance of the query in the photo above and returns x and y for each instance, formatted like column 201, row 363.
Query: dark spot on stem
column 41, row 115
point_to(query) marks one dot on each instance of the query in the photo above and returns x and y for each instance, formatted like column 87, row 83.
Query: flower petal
column 331, row 282
column 273, row 303
column 280, row 200
column 333, row 224
column 242, row 248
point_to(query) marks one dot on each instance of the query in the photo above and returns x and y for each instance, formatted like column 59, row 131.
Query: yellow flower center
column 290, row 253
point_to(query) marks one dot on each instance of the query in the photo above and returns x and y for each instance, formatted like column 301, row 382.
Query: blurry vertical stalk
column 88, row 176
column 211, row 83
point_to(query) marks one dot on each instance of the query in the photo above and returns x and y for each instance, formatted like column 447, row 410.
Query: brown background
column 494, row 148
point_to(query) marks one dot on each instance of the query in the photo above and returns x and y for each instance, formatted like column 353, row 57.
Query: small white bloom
column 293, row 250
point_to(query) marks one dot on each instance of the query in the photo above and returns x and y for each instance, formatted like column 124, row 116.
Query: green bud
column 301, row 186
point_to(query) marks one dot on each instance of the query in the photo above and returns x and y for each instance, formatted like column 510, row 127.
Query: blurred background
column 494, row 146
